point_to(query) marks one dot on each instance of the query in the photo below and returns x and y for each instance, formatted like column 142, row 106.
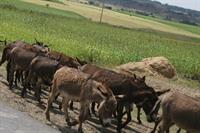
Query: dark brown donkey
column 21, row 57
column 6, row 53
column 41, row 71
column 91, row 69
column 129, row 91
column 43, row 68
column 66, row 60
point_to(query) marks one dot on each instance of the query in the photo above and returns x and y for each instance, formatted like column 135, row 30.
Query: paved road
column 13, row 121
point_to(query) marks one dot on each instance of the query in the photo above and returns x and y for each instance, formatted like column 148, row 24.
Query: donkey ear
column 162, row 92
column 80, row 61
column 135, row 77
column 103, row 92
column 49, row 45
column 36, row 40
column 46, row 46
column 77, row 59
column 144, row 78
column 59, row 57
column 5, row 42
column 38, row 43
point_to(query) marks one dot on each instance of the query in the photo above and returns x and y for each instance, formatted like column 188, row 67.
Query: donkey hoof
column 22, row 95
column 39, row 101
column 71, row 108
column 139, row 122
column 47, row 116
column 60, row 107
column 80, row 131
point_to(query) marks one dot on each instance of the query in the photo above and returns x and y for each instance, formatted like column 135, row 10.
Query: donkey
column 72, row 84
column 179, row 109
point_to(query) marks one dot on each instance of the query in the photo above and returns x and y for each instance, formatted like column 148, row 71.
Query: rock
column 157, row 66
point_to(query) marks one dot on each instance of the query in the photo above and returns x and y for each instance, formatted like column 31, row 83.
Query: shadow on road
column 93, row 122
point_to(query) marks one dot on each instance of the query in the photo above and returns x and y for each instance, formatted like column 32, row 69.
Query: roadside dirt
column 30, row 106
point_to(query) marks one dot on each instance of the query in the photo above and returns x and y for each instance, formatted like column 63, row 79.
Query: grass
column 101, row 43
column 115, row 18
column 190, row 28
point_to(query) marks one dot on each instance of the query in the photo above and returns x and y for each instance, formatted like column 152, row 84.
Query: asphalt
column 13, row 121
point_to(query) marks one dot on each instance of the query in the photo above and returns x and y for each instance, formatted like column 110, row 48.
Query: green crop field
column 115, row 18
column 103, row 44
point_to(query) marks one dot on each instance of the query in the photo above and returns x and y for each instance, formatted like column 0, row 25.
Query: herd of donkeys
column 111, row 93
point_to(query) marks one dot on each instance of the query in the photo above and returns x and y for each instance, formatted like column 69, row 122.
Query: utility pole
column 102, row 11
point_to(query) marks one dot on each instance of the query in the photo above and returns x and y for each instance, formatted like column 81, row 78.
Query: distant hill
column 154, row 8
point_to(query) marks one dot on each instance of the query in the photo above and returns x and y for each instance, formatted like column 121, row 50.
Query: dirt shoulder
column 31, row 107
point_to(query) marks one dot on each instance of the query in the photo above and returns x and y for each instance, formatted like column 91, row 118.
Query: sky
column 190, row 4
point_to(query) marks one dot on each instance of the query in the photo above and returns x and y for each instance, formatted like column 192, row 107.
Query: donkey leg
column 49, row 103
column 65, row 108
column 128, row 110
column 38, row 90
column 8, row 70
column 71, row 105
column 93, row 108
column 156, row 124
column 120, row 108
column 138, row 115
column 179, row 130
column 11, row 74
column 26, row 84
column 165, row 125
column 83, row 115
